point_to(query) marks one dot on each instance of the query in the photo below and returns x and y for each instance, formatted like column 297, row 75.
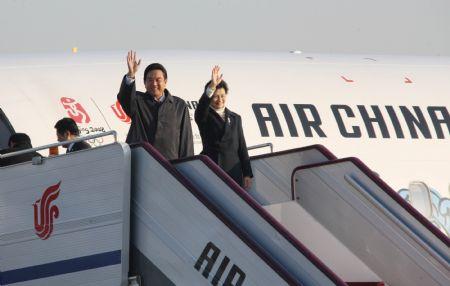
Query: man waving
column 157, row 116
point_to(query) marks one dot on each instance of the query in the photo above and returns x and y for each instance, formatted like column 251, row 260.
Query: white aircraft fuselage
column 391, row 112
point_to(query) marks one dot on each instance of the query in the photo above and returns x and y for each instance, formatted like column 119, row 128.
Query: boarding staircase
column 124, row 215
column 64, row 220
column 351, row 215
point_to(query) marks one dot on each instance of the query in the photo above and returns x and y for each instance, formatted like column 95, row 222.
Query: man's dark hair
column 67, row 124
column 155, row 66
column 222, row 84
column 19, row 139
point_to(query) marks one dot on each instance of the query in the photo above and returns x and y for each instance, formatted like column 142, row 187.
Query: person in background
column 221, row 131
column 66, row 130
column 18, row 142
column 156, row 116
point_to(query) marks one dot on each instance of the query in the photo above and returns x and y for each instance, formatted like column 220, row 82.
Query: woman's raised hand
column 216, row 77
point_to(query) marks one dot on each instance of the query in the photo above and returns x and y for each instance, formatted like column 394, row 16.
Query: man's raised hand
column 216, row 77
column 133, row 65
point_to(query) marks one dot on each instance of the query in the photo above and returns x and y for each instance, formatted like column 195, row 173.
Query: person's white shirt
column 220, row 111
column 70, row 146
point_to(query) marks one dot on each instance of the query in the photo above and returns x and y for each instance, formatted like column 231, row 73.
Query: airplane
column 390, row 112
column 360, row 105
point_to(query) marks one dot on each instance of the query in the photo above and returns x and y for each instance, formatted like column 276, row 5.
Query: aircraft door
column 6, row 130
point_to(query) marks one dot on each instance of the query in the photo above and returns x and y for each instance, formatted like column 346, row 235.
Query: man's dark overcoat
column 166, row 125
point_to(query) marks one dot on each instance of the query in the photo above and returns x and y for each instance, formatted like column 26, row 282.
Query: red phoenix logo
column 75, row 110
column 120, row 113
column 44, row 213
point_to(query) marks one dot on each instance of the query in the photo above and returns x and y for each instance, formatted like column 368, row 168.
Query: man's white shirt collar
column 161, row 99
column 70, row 146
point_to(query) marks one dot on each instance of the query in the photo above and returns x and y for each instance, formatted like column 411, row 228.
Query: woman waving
column 221, row 131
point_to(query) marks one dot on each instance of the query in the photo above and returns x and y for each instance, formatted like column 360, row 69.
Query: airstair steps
column 411, row 235
column 245, row 212
column 186, row 237
column 196, row 226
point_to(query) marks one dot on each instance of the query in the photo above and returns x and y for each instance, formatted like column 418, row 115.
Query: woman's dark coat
column 223, row 141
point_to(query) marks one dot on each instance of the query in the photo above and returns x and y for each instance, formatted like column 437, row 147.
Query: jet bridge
column 350, row 216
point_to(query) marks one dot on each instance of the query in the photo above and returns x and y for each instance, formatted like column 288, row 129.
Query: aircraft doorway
column 6, row 130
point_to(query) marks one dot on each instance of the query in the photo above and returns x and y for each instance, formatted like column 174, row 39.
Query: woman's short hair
column 222, row 84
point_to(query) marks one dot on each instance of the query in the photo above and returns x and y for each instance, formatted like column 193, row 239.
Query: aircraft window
column 6, row 130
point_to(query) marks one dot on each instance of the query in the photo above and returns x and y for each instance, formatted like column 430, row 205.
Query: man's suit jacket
column 18, row 158
column 166, row 125
column 223, row 140
column 82, row 145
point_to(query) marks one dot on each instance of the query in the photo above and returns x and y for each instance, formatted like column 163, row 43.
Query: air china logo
column 44, row 212
column 75, row 110
column 120, row 113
